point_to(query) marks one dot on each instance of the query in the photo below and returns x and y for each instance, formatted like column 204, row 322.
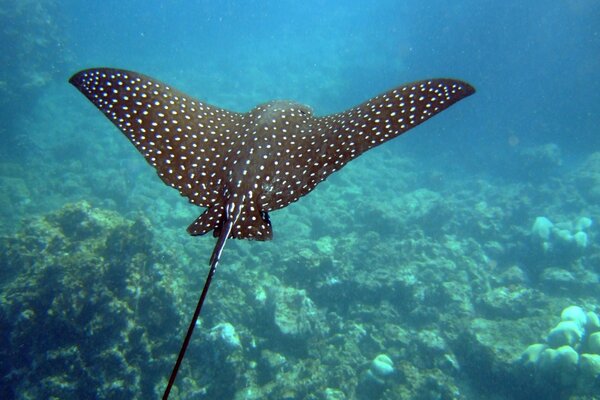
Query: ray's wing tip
column 78, row 76
column 466, row 87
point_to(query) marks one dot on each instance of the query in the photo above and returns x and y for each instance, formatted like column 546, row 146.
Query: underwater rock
column 568, row 365
column 333, row 394
column 373, row 382
column 542, row 228
column 578, row 279
column 590, row 366
column 560, row 364
column 431, row 343
column 86, row 308
column 564, row 235
column 270, row 365
column 567, row 357
column 488, row 350
column 581, row 240
column 225, row 334
column 546, row 360
column 583, row 223
column 514, row 275
column 593, row 322
column 513, row 301
column 531, row 355
column 326, row 246
column 566, row 333
column 430, row 350
column 311, row 265
column 273, row 361
column 295, row 315
column 593, row 343
column 260, row 296
column 381, row 368
column 558, row 278
column 575, row 314
column 426, row 209
column 562, row 242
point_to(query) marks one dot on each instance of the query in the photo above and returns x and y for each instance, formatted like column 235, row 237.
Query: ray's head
column 280, row 112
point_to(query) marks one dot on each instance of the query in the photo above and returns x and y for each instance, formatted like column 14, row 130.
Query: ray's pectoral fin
column 387, row 116
column 174, row 132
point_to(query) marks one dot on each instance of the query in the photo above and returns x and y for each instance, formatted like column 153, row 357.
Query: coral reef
column 564, row 239
column 81, row 311
column 448, row 283
column 568, row 361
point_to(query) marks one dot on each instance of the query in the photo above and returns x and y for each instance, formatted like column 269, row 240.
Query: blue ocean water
column 472, row 223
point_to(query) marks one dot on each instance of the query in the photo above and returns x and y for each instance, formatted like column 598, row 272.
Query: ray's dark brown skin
column 241, row 166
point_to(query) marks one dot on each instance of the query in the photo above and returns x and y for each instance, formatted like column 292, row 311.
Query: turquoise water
column 447, row 251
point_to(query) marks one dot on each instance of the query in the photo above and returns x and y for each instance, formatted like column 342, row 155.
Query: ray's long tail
column 214, row 261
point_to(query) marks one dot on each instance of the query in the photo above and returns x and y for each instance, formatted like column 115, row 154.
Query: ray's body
column 241, row 166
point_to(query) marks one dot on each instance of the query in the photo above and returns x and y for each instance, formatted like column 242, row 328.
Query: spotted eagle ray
column 241, row 166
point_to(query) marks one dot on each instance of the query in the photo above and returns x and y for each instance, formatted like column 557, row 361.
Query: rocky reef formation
column 569, row 359
column 85, row 305
column 432, row 294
